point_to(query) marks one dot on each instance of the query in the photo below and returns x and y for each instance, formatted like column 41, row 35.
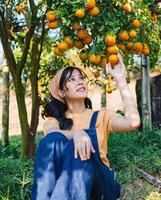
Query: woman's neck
column 76, row 107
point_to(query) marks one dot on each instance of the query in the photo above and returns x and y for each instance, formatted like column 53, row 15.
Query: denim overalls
column 59, row 176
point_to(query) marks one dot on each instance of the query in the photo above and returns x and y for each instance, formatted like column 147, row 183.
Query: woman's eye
column 82, row 77
column 71, row 79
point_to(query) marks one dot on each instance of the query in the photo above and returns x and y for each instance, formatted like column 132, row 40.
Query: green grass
column 127, row 152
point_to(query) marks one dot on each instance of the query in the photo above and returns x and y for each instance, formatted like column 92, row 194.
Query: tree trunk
column 103, row 95
column 138, row 89
column 34, row 87
column 5, row 107
column 146, row 103
column 27, row 143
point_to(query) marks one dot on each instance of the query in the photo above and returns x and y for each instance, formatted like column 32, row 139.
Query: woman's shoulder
column 50, row 123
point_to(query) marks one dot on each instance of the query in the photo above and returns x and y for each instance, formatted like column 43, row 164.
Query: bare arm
column 131, row 119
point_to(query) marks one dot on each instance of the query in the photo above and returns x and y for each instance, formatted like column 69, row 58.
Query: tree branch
column 151, row 179
column 32, row 6
column 6, row 46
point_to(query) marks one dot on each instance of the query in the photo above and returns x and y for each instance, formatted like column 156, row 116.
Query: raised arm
column 131, row 118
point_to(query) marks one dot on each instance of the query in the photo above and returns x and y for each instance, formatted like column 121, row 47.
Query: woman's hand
column 82, row 145
column 118, row 71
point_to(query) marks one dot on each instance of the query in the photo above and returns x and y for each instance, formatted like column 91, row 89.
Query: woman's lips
column 81, row 89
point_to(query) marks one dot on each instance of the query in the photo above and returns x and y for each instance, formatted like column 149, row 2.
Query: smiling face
column 75, row 86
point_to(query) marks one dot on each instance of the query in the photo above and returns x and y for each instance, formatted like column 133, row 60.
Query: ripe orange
column 133, row 33
column 83, row 56
column 136, row 23
column 95, row 59
column 96, row 73
column 145, row 49
column 82, row 33
column 80, row 13
column 122, row 47
column 57, row 52
column 19, row 9
column 112, row 50
column 94, row 11
column 127, row 7
column 154, row 18
column 108, row 89
column 113, row 59
column 50, row 15
column 76, row 26
column 130, row 45
column 69, row 41
column 124, row 35
column 110, row 40
column 103, row 62
column 78, row 44
column 90, row 4
column 63, row 46
column 98, row 59
column 87, row 40
column 53, row 25
column 138, row 47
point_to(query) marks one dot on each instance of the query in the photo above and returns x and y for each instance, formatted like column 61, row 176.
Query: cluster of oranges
column 90, row 8
column 52, row 20
column 83, row 37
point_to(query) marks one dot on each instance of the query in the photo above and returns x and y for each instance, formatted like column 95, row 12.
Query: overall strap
column 93, row 119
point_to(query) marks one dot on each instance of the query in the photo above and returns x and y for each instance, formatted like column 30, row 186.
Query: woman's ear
column 61, row 93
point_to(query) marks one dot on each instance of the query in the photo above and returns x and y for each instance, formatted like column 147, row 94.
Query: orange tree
column 99, row 29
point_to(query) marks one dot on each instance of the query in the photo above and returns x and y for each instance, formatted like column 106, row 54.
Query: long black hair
column 57, row 109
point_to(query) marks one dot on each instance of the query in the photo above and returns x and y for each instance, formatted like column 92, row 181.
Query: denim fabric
column 59, row 176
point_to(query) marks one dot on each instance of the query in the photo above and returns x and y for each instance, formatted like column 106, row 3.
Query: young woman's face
column 76, row 86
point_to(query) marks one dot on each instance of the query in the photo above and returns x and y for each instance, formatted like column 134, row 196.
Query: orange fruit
column 95, row 59
column 154, row 17
column 57, row 52
column 113, row 59
column 132, row 33
column 78, row 44
column 106, row 81
column 90, row 4
column 108, row 89
column 76, row 26
column 94, row 11
column 83, row 56
column 136, row 23
column 103, row 62
column 50, row 15
column 82, row 33
column 127, row 8
column 130, row 45
column 87, row 40
column 112, row 50
column 124, row 35
column 98, row 59
column 110, row 40
column 122, row 47
column 96, row 73
column 53, row 25
column 69, row 41
column 63, row 46
column 138, row 47
column 19, row 9
column 92, row 58
column 145, row 49
column 80, row 13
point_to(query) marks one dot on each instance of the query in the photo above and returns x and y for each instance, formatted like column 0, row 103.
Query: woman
column 71, row 161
